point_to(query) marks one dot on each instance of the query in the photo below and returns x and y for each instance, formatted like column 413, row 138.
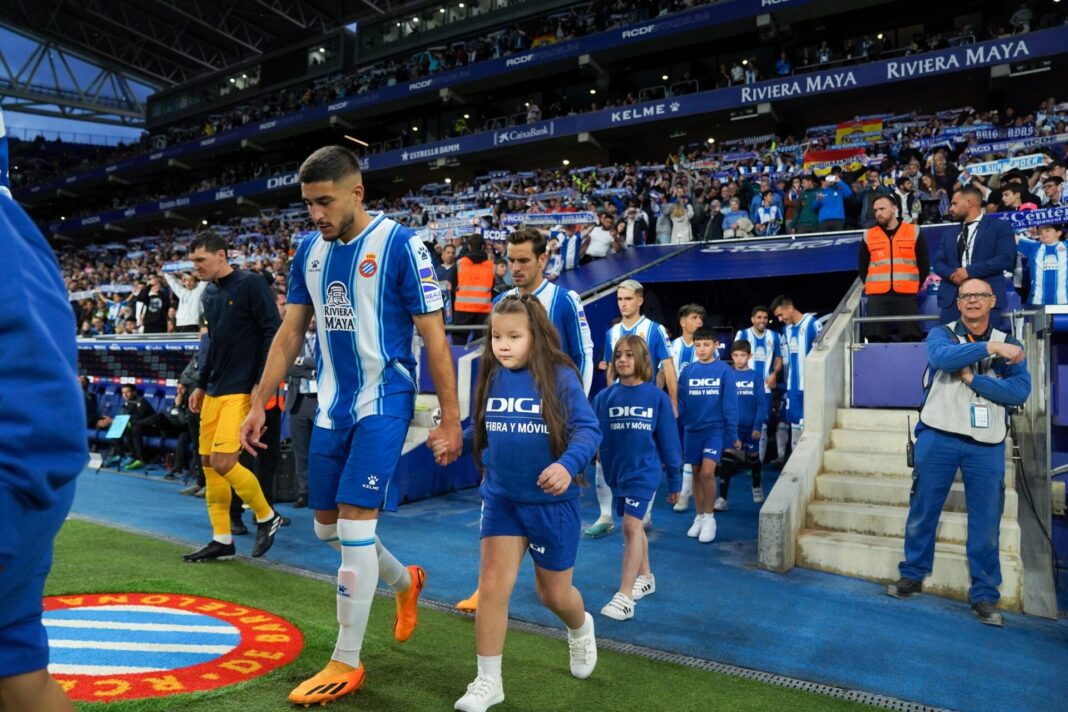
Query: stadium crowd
column 798, row 54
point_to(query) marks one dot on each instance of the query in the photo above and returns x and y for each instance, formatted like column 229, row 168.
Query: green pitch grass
column 429, row 672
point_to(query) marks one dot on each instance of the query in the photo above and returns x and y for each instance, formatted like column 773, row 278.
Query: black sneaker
column 904, row 588
column 237, row 527
column 265, row 535
column 986, row 612
column 213, row 551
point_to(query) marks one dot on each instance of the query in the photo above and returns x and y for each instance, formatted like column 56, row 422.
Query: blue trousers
column 938, row 456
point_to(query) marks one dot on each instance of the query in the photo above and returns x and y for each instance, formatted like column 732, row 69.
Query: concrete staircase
column 855, row 523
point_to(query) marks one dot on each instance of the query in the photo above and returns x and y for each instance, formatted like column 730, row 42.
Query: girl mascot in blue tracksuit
column 641, row 439
column 532, row 434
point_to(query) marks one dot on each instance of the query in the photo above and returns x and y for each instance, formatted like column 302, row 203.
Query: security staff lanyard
column 969, row 242
column 980, row 410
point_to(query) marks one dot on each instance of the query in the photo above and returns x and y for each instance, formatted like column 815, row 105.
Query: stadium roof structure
column 155, row 43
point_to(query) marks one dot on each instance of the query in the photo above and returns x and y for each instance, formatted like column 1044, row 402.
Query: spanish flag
column 863, row 130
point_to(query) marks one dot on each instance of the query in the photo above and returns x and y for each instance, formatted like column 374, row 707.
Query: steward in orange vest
column 893, row 262
column 473, row 300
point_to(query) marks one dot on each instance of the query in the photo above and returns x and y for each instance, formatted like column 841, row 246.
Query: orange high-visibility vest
column 893, row 262
column 474, row 286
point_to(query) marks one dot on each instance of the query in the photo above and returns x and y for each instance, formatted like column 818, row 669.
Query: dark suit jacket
column 293, row 394
column 993, row 252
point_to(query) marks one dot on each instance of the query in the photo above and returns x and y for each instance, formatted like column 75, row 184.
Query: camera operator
column 975, row 374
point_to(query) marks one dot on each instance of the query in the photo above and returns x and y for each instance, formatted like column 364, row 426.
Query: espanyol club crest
column 369, row 266
column 127, row 646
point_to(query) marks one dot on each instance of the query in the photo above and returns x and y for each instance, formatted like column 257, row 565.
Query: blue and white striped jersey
column 682, row 354
column 763, row 351
column 565, row 312
column 365, row 294
column 655, row 335
column 798, row 340
column 1049, row 271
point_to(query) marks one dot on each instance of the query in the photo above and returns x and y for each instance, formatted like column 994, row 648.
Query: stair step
column 868, row 441
column 892, row 491
column 882, row 419
column 886, row 521
column 883, row 464
column 876, row 559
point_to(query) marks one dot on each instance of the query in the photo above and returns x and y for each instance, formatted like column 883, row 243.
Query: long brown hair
column 543, row 361
column 643, row 362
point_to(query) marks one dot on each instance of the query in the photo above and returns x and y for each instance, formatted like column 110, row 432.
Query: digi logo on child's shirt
column 630, row 417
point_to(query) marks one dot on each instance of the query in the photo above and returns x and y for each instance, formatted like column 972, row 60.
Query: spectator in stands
column 808, row 212
column 1047, row 260
column 155, row 299
column 934, row 202
column 737, row 73
column 783, row 68
column 893, row 264
column 769, row 219
column 976, row 373
column 830, row 202
column 983, row 249
column 637, row 223
column 907, row 201
column 599, row 240
column 865, row 197
column 189, row 292
column 1021, row 19
column 1011, row 197
column 681, row 214
column 733, row 215
column 824, row 54
column 1053, row 192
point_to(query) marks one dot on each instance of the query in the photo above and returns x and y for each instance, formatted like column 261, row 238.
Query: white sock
column 327, row 533
column 490, row 665
column 782, row 437
column 585, row 629
column 763, row 442
column 356, row 582
column 268, row 518
column 687, row 480
column 604, row 494
column 224, row 538
column 391, row 570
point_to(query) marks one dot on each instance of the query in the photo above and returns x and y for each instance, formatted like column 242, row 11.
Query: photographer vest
column 948, row 405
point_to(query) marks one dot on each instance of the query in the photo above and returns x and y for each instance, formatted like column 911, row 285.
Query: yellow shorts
column 220, row 422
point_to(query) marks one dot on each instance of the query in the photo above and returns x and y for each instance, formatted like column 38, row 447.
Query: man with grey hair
column 630, row 295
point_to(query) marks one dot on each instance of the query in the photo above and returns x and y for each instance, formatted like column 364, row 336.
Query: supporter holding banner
column 1004, row 165
column 821, row 162
column 862, row 130
column 549, row 219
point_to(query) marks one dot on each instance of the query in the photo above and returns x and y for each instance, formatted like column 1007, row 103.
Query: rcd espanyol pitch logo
column 133, row 645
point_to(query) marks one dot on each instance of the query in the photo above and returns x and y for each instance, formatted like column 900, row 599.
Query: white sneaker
column 684, row 502
column 481, row 694
column 583, row 652
column 720, row 505
column 643, row 586
column 708, row 530
column 758, row 494
column 620, row 608
column 695, row 528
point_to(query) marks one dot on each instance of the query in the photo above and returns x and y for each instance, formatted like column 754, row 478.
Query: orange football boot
column 469, row 604
column 332, row 682
column 407, row 610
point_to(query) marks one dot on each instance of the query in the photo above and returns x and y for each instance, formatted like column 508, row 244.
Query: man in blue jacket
column 975, row 374
column 983, row 249
column 42, row 450
column 830, row 202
